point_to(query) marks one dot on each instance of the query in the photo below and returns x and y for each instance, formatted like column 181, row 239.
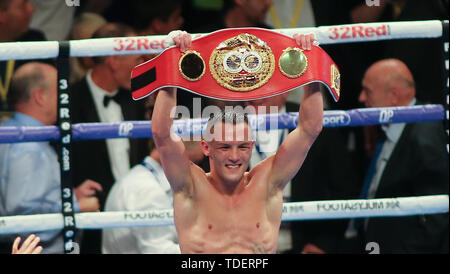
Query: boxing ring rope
column 404, row 206
column 194, row 127
column 296, row 211
column 350, row 33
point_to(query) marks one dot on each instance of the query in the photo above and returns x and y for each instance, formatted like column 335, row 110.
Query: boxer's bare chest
column 247, row 222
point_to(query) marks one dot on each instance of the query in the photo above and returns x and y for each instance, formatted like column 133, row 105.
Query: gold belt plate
column 242, row 63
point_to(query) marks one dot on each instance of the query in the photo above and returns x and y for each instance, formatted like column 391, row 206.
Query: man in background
column 103, row 96
column 407, row 160
column 29, row 171
column 15, row 18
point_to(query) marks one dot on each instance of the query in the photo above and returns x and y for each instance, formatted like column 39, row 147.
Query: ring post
column 64, row 146
column 445, row 40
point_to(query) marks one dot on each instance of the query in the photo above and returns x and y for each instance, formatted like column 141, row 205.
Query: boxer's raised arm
column 292, row 152
column 171, row 149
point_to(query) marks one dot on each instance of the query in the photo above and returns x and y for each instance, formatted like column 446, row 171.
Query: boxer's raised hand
column 181, row 39
column 305, row 40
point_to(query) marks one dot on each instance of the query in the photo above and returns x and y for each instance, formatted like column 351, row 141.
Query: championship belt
column 237, row 65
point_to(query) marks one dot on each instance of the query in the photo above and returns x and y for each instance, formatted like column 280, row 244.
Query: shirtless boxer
column 230, row 210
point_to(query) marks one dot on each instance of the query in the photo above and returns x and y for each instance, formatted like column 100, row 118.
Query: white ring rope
column 315, row 210
column 155, row 44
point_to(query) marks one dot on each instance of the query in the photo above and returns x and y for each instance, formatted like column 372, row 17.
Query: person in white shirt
column 145, row 187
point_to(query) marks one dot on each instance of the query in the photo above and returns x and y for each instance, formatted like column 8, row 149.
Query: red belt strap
column 237, row 65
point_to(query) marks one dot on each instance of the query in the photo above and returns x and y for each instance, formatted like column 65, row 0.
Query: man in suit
column 412, row 161
column 103, row 96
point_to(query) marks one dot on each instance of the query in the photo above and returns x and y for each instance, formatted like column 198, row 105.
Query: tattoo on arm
column 259, row 249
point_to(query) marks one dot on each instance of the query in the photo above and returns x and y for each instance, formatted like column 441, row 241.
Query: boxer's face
column 229, row 150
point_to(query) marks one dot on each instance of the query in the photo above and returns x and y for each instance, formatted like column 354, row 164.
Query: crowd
column 397, row 160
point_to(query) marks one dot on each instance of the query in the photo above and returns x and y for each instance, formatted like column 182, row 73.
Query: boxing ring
column 66, row 132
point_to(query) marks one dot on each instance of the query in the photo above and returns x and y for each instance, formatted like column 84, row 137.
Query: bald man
column 413, row 161
column 29, row 172
column 388, row 83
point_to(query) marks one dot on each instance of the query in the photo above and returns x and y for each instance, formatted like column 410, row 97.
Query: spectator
column 330, row 12
column 36, row 191
column 95, row 6
column 423, row 66
column 412, row 161
column 15, row 16
column 238, row 14
column 147, row 17
column 86, row 24
column 153, row 17
column 150, row 17
column 428, row 68
column 291, row 14
column 199, row 13
column 84, row 27
column 103, row 96
column 53, row 17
